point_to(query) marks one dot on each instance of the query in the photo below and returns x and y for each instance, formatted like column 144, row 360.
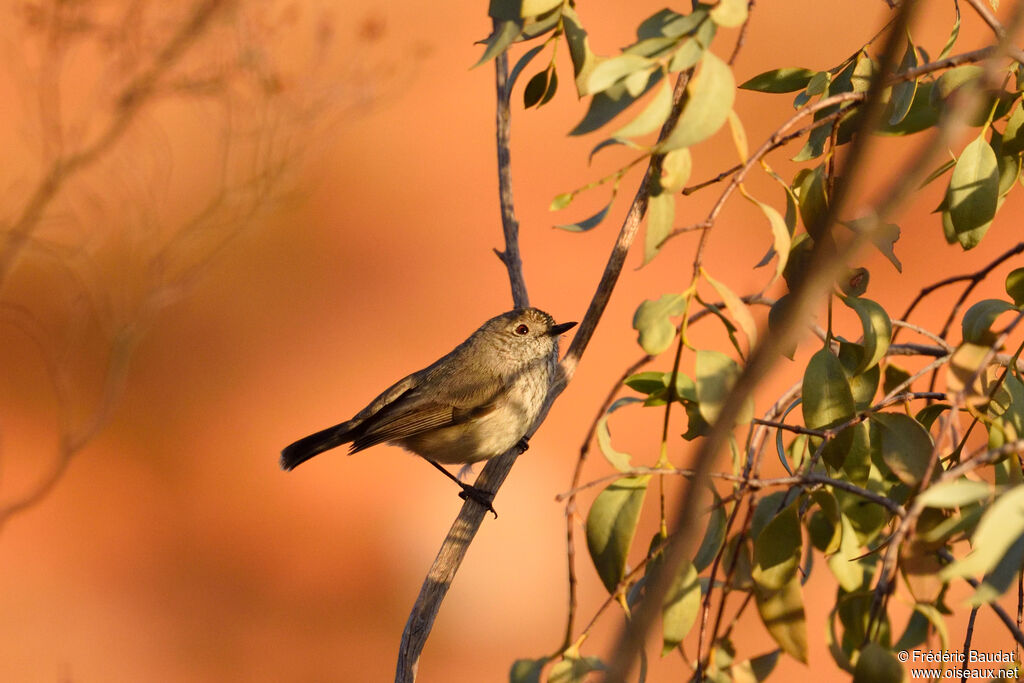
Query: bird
column 472, row 404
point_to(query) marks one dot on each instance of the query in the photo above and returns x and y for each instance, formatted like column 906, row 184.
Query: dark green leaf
column 903, row 92
column 777, row 550
column 877, row 330
column 535, row 89
column 527, row 670
column 1015, row 286
column 607, row 104
column 877, row 664
column 906, row 446
column 979, row 318
column 783, row 615
column 827, row 398
column 521, row 64
column 779, row 80
column 813, row 201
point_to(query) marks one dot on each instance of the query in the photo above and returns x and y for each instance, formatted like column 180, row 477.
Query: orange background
column 173, row 548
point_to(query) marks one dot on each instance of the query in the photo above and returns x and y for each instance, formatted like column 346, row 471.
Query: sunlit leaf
column 652, row 322
column 609, row 71
column 676, row 167
column 716, row 374
column 611, row 525
column 903, row 92
column 973, row 192
column 651, row 117
column 954, row 493
column 661, row 213
column 583, row 59
column 619, row 460
column 827, row 399
column 504, row 35
column 711, row 95
column 739, row 310
column 729, row 13
column 1000, row 527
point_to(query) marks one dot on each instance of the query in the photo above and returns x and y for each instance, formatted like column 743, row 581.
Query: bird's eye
column 521, row 329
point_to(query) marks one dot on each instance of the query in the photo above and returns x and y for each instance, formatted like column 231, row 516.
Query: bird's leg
column 469, row 492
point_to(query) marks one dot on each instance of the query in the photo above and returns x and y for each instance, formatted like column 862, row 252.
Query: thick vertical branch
column 462, row 532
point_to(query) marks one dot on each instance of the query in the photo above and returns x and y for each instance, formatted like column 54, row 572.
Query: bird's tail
column 305, row 448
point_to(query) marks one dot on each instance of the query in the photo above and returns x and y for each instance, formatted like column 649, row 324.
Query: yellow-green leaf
column 973, row 192
column 711, row 94
column 783, row 615
column 777, row 550
column 679, row 611
column 676, row 167
column 653, row 115
column 611, row 525
column 737, row 308
column 651, row 320
column 729, row 13
column 906, row 446
column 877, row 330
column 1000, row 527
column 661, row 214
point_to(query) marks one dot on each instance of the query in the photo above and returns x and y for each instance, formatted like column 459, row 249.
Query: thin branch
column 509, row 224
column 986, row 15
column 456, row 544
column 825, row 264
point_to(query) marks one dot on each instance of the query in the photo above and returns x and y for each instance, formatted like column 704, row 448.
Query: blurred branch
column 129, row 102
column 827, row 261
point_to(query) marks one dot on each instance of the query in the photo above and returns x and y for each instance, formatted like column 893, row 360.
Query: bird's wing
column 413, row 413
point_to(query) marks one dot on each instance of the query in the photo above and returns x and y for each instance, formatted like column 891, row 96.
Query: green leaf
column 953, row 35
column 1013, row 134
column 955, row 78
column 777, row 550
column 670, row 24
column 863, row 385
column 1000, row 527
column 676, row 167
column 535, row 89
column 606, row 105
column 651, row 117
column 714, row 536
column 904, row 91
column 781, row 238
column 848, row 572
column 827, row 398
column 711, row 94
column 515, row 9
column 583, row 59
column 783, row 615
column 779, row 80
column 688, row 54
column 651, row 320
column 979, row 318
column 814, row 202
column 877, row 664
column 661, row 214
column 716, row 376
column 955, row 493
column 618, row 460
column 591, row 222
column 877, row 330
column 527, row 670
column 504, row 35
column 611, row 525
column 610, row 71
column 561, row 201
column 729, row 13
column 521, row 64
column 963, row 366
column 905, row 444
column 646, row 382
column 1015, row 286
column 574, row 669
column 973, row 192
column 739, row 311
column 680, row 608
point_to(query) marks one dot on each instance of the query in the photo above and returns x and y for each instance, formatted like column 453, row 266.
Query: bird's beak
column 561, row 329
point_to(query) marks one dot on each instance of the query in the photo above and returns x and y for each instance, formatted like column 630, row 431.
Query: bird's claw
column 479, row 496
column 523, row 444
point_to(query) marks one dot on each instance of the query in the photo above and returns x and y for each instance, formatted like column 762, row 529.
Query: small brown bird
column 470, row 405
